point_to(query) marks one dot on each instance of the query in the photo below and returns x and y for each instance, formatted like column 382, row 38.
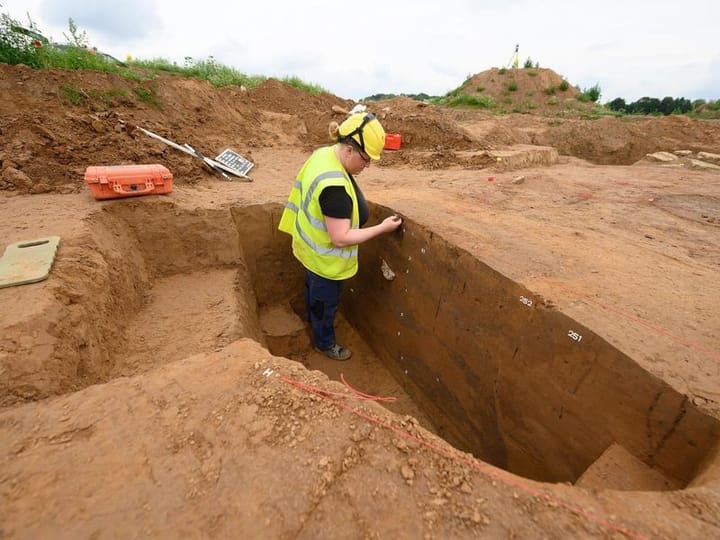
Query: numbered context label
column 572, row 334
column 526, row 301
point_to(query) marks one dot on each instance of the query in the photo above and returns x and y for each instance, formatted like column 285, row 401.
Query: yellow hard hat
column 364, row 131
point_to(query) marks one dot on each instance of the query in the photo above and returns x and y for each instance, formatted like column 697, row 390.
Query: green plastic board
column 27, row 262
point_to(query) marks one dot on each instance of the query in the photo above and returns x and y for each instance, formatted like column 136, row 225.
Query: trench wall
column 98, row 283
column 516, row 383
column 266, row 252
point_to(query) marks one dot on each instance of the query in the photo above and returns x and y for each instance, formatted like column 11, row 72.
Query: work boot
column 336, row 352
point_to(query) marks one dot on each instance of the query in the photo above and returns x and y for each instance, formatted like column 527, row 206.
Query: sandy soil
column 159, row 383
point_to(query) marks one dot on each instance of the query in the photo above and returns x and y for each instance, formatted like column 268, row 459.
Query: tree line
column 654, row 106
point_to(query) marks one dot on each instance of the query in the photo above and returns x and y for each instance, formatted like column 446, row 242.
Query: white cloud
column 116, row 21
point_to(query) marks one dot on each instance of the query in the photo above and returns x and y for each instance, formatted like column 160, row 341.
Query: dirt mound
column 528, row 90
column 423, row 126
column 313, row 110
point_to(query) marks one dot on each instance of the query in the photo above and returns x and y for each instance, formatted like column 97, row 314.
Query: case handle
column 149, row 186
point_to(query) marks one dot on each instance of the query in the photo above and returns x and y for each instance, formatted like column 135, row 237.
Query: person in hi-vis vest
column 325, row 214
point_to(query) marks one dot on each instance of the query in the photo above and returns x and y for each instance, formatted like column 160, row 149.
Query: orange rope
column 364, row 395
column 485, row 469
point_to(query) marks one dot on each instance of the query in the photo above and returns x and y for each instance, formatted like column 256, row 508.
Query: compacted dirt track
column 543, row 362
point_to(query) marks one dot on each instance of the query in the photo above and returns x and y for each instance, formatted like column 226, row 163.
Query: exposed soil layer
column 534, row 352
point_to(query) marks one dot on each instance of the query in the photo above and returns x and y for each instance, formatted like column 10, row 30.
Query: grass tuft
column 467, row 100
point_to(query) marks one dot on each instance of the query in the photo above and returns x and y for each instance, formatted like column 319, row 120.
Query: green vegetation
column 146, row 95
column 512, row 86
column 590, row 94
column 598, row 111
column 502, row 71
column 417, row 97
column 465, row 100
column 18, row 44
column 479, row 89
column 652, row 106
column 564, row 85
column 25, row 44
column 706, row 110
column 602, row 110
column 73, row 95
column 73, row 57
column 94, row 98
column 209, row 70
column 295, row 82
column 550, row 90
column 668, row 105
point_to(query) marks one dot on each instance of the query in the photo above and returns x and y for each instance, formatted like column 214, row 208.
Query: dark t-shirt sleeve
column 336, row 203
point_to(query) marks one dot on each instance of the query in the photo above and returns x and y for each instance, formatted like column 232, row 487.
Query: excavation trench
column 475, row 357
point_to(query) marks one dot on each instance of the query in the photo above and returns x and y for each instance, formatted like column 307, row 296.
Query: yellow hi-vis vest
column 303, row 219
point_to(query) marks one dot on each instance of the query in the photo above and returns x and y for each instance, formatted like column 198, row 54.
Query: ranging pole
column 514, row 60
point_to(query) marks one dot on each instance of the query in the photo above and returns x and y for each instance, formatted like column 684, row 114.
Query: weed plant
column 16, row 46
column 467, row 100
column 296, row 82
column 147, row 96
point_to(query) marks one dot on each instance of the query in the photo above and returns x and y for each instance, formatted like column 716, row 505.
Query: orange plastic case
column 392, row 141
column 114, row 182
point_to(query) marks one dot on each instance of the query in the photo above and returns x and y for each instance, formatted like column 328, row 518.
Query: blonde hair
column 334, row 131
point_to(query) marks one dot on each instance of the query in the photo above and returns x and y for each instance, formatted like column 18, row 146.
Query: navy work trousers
column 322, row 297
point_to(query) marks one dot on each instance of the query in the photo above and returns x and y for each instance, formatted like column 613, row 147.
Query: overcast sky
column 630, row 48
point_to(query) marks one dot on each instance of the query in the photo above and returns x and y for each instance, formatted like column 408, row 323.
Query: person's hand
column 391, row 223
